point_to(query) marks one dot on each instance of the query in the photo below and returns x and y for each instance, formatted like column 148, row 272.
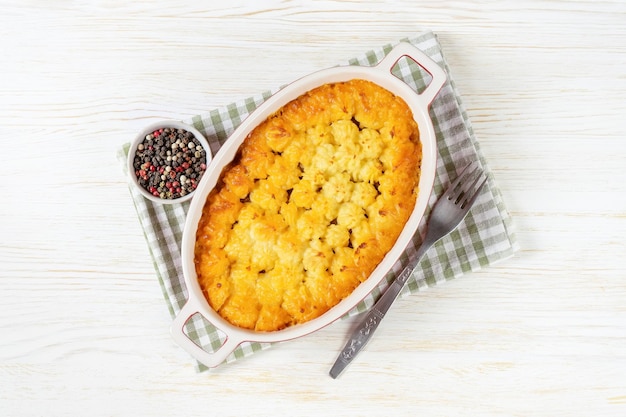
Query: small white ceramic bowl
column 141, row 138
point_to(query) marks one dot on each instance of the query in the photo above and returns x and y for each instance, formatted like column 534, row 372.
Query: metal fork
column 447, row 214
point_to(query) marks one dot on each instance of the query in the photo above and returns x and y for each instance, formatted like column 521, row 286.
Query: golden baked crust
column 316, row 196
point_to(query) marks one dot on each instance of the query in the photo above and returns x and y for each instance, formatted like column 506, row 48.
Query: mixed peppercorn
column 169, row 163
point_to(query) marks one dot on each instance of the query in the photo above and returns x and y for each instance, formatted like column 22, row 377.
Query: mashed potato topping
column 316, row 196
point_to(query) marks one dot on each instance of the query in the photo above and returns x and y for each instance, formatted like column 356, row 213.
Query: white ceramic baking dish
column 379, row 74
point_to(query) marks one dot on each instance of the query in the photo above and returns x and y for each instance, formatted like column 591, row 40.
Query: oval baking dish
column 381, row 75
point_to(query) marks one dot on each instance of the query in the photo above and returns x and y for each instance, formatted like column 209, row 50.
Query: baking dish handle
column 210, row 359
column 438, row 75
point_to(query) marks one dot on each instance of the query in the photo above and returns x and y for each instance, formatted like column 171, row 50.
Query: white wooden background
column 83, row 325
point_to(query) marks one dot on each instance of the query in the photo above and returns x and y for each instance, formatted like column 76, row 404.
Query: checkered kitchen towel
column 483, row 238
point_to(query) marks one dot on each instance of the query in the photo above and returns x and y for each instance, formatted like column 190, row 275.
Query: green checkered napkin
column 483, row 238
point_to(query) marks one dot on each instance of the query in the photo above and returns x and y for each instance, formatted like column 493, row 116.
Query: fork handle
column 363, row 333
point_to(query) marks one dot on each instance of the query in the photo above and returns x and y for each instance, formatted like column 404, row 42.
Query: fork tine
column 470, row 199
column 468, row 184
column 456, row 188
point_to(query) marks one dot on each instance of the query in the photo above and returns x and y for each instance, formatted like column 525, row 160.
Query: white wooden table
column 83, row 324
